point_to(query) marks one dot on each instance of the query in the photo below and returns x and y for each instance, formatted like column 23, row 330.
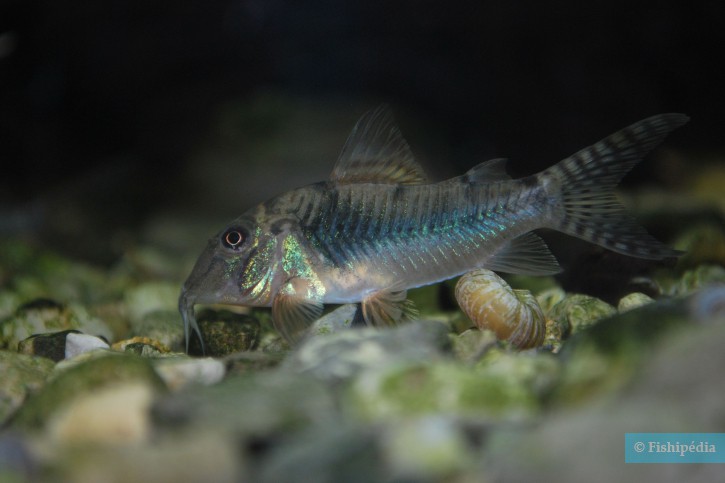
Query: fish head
column 236, row 268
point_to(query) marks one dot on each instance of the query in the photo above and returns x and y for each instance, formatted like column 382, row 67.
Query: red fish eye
column 233, row 238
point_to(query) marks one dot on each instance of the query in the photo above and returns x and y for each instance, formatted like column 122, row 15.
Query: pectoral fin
column 294, row 308
column 387, row 307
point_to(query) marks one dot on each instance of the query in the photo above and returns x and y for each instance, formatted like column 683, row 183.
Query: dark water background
column 111, row 111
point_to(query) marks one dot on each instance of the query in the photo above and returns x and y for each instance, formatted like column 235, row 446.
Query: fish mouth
column 186, row 307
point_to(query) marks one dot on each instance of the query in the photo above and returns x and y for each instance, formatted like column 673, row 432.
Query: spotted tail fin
column 584, row 186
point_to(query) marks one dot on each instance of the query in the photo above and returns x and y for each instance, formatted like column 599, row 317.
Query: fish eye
column 233, row 238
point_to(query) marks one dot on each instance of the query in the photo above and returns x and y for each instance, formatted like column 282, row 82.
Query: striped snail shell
column 513, row 315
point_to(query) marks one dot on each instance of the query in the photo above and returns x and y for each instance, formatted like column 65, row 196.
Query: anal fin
column 387, row 307
column 525, row 255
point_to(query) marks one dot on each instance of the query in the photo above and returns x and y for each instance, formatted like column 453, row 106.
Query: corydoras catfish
column 377, row 227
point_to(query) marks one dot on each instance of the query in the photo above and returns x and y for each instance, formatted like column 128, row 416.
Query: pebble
column 426, row 448
column 698, row 278
column 77, row 343
column 633, row 301
column 8, row 302
column 203, row 456
column 142, row 346
column 344, row 354
column 150, row 297
column 17, row 463
column 21, row 375
column 508, row 389
column 61, row 345
column 42, row 316
column 179, row 372
column 87, row 373
column 224, row 333
column 163, row 326
column 580, row 312
column 471, row 345
column 708, row 305
column 339, row 319
column 549, row 298
column 50, row 345
column 111, row 415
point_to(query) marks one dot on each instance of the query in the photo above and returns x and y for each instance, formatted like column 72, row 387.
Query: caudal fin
column 584, row 185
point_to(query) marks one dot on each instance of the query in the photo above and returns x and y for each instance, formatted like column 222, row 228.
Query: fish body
column 378, row 228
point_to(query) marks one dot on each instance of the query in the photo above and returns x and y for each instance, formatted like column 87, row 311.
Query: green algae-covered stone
column 270, row 403
column 42, row 316
column 549, row 298
column 20, row 374
column 633, row 301
column 37, row 317
column 162, row 325
column 343, row 355
column 605, row 357
column 84, row 377
column 339, row 319
column 676, row 384
column 181, row 371
column 556, row 332
column 9, row 301
column 442, row 388
column 580, row 312
column 142, row 346
column 698, row 278
column 702, row 244
column 427, row 448
column 37, row 273
column 149, row 297
column 470, row 345
column 225, row 332
column 537, row 371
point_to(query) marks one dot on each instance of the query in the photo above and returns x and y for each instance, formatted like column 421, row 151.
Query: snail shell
column 513, row 315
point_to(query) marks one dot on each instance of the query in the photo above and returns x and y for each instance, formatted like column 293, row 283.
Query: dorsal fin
column 375, row 152
column 491, row 170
